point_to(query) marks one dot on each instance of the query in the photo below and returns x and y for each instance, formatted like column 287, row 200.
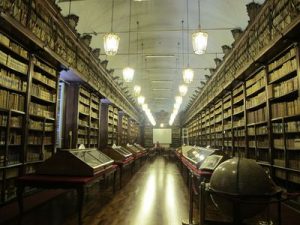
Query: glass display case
column 139, row 147
column 117, row 153
column 204, row 158
column 134, row 150
column 75, row 162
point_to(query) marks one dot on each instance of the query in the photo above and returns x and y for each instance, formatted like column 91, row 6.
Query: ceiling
column 160, row 31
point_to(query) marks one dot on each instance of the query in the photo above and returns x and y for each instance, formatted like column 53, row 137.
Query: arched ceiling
column 161, row 34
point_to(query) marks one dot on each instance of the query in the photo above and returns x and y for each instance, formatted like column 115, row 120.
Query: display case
column 134, row 150
column 140, row 147
column 75, row 162
column 117, row 153
column 203, row 158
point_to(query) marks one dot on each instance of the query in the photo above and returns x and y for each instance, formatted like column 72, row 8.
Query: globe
column 242, row 186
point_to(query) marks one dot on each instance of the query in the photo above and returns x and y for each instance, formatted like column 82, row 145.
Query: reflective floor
column 155, row 195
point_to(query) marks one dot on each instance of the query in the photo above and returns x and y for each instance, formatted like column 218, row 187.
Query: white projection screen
column 163, row 136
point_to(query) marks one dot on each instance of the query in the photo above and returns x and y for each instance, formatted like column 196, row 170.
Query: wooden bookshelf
column 123, row 129
column 259, row 117
column 133, row 131
column 148, row 136
column 261, row 74
column 82, row 117
column 109, row 132
column 28, row 97
column 176, row 137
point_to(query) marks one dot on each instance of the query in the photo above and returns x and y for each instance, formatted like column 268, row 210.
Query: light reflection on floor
column 163, row 196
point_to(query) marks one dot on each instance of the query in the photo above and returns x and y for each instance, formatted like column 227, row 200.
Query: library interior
column 149, row 112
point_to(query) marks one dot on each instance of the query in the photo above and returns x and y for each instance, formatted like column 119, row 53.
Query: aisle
column 155, row 195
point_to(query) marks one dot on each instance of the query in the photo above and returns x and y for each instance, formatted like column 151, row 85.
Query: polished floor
column 155, row 194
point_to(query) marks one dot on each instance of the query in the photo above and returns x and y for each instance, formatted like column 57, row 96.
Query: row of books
column 3, row 120
column 292, row 126
column 283, row 109
column 11, row 100
column 83, row 122
column 291, row 53
column 15, row 138
column 285, row 87
column 84, row 100
column 83, row 109
column 256, row 100
column 41, row 110
column 12, row 81
column 285, row 69
column 257, row 116
column 291, row 143
column 43, row 78
column 42, row 92
column 4, row 40
column 45, row 67
column 95, row 106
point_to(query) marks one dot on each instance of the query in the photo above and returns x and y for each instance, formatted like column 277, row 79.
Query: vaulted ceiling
column 159, row 63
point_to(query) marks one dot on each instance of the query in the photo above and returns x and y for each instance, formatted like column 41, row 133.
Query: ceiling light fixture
column 128, row 72
column 199, row 38
column 111, row 40
column 137, row 90
column 141, row 100
column 183, row 90
column 178, row 99
column 188, row 74
column 144, row 107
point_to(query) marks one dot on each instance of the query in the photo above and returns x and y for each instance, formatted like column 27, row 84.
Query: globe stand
column 190, row 220
column 236, row 219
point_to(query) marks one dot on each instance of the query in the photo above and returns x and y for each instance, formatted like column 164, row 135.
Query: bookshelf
column 259, row 117
column 82, row 117
column 148, row 136
column 28, row 97
column 14, row 78
column 42, row 112
column 133, row 131
column 94, row 133
column 176, row 138
column 109, row 132
column 123, row 129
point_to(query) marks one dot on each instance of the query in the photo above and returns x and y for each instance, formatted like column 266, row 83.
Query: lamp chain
column 137, row 43
column 178, row 54
column 199, row 14
column 182, row 44
column 129, row 31
column 112, row 15
column 143, row 64
column 187, row 33
column 70, row 4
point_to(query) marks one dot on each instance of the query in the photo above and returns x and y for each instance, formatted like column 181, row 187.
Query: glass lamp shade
column 128, row 74
column 178, row 99
column 111, row 44
column 188, row 76
column 183, row 90
column 137, row 90
column 199, row 40
column 177, row 105
column 144, row 107
column 141, row 100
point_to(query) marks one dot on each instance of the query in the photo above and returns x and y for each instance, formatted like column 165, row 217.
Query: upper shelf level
column 40, row 24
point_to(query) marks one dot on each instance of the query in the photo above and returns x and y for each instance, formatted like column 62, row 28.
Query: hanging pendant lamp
column 188, row 74
column 111, row 40
column 183, row 90
column 128, row 72
column 199, row 38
